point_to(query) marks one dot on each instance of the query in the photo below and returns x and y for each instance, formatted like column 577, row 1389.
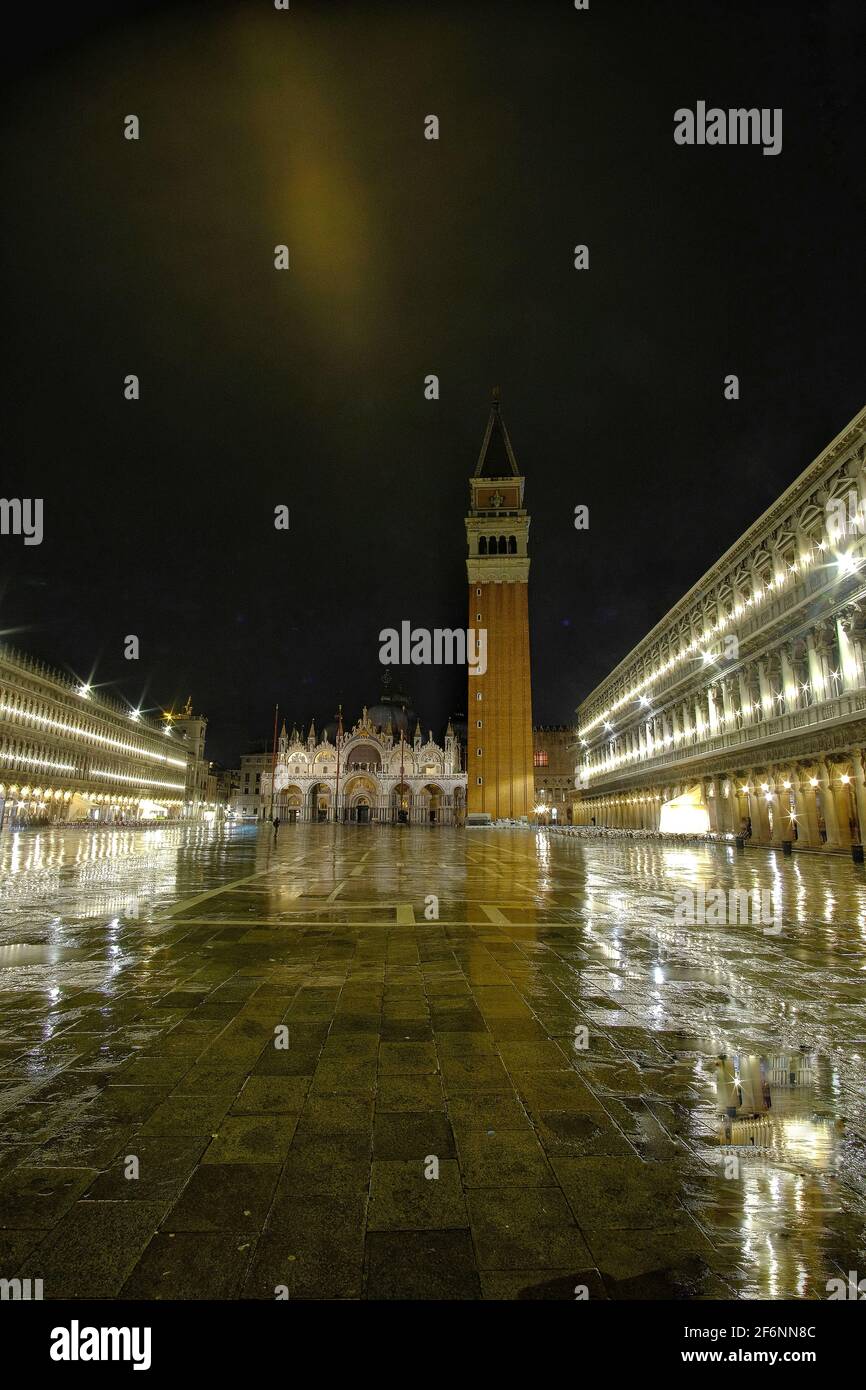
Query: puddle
column 785, row 1109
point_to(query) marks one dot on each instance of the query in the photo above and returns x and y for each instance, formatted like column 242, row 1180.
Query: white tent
column 686, row 814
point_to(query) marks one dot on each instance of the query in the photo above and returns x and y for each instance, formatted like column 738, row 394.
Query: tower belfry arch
column 499, row 740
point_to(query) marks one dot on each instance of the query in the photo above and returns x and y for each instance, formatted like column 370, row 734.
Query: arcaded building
column 72, row 753
column 744, row 709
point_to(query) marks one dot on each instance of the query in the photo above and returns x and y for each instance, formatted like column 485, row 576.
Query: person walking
column 276, row 823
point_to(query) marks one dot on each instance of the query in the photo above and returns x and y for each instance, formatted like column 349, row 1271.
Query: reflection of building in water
column 746, row 1082
column 811, row 1141
column 744, row 710
column 791, row 1069
column 769, row 1104
column 378, row 772
column 757, row 1131
column 742, row 1087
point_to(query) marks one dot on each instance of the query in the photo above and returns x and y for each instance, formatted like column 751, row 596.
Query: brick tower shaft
column 499, row 714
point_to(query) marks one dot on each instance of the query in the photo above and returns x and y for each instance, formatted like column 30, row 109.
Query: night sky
column 408, row 257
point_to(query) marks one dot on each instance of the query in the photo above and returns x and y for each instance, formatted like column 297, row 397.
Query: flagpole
column 402, row 771
column 339, row 741
column 274, row 759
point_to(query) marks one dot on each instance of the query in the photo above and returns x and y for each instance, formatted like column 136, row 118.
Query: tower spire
column 496, row 459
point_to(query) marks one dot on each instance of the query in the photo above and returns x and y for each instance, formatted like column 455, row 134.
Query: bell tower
column 499, row 767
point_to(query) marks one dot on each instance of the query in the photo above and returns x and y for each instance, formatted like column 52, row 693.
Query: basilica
column 376, row 772
column 383, row 770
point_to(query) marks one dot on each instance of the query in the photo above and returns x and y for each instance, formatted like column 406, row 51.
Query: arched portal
column 430, row 803
column 359, row 799
column 319, row 802
column 401, row 803
column 289, row 804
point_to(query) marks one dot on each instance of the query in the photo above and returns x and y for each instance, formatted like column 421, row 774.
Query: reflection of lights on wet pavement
column 571, row 939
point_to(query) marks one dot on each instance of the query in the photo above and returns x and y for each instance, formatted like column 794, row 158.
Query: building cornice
column 827, row 461
column 501, row 569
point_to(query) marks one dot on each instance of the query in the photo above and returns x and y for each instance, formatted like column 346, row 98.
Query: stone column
column 752, row 795
column 713, row 712
column 842, row 798
column 760, row 817
column 700, row 716
column 745, row 697
column 848, row 656
column 724, row 812
column 828, row 803
column 773, row 809
column 807, row 809
column 789, row 681
column 788, row 828
column 858, row 781
column 816, row 671
column 767, row 702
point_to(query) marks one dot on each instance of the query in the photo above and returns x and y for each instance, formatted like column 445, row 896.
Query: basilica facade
column 377, row 772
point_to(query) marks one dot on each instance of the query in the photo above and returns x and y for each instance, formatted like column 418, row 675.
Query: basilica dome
column 394, row 707
column 398, row 717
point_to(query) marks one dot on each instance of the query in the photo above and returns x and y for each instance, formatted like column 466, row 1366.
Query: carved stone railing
column 851, row 704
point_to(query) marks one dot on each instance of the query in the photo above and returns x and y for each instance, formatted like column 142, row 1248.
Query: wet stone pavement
column 518, row 1099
